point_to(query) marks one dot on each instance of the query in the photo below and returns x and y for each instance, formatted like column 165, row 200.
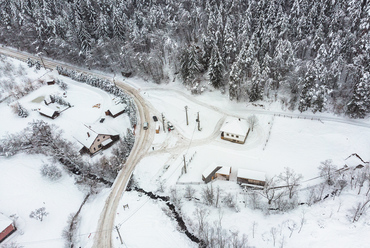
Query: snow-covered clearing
column 275, row 143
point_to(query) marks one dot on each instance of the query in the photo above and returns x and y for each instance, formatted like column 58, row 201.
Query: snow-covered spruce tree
column 21, row 111
column 359, row 104
column 190, row 65
column 216, row 69
column 306, row 93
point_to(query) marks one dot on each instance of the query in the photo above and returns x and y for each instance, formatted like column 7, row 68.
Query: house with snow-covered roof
column 6, row 227
column 235, row 130
column 94, row 138
column 48, row 112
column 116, row 110
column 250, row 178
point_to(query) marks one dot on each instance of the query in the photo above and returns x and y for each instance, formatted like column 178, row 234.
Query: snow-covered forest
column 310, row 55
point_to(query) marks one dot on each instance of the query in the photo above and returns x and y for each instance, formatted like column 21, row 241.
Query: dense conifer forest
column 310, row 55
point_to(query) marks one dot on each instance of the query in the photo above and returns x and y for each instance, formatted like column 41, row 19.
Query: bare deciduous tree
column 189, row 192
column 208, row 195
column 39, row 214
column 253, row 121
column 270, row 191
column 328, row 171
column 291, row 179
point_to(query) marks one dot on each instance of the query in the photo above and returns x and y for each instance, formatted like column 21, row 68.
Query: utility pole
column 119, row 235
column 186, row 111
column 42, row 61
column 184, row 164
column 198, row 120
column 164, row 129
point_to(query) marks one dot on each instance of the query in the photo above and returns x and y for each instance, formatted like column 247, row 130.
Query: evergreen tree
column 359, row 104
column 216, row 69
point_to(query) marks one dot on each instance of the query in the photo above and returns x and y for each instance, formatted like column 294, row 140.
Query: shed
column 50, row 82
column 6, row 227
column 49, row 112
column 209, row 173
column 48, row 100
column 224, row 173
column 95, row 138
column 250, row 177
column 235, row 130
column 116, row 110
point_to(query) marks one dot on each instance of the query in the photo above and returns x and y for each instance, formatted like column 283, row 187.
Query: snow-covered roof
column 225, row 170
column 115, row 109
column 250, row 174
column 4, row 222
column 106, row 142
column 355, row 160
column 209, row 170
column 86, row 135
column 235, row 126
column 47, row 111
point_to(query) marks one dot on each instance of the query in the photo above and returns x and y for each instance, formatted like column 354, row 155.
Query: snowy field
column 275, row 143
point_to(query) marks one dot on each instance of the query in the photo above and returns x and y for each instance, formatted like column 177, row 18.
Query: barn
column 48, row 112
column 224, row 173
column 209, row 173
column 94, row 138
column 250, row 178
column 6, row 227
column 235, row 130
column 116, row 110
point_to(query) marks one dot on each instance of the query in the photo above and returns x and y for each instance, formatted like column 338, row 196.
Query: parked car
column 145, row 125
column 155, row 118
column 170, row 126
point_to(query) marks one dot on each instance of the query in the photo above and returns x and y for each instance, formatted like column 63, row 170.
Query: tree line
column 310, row 55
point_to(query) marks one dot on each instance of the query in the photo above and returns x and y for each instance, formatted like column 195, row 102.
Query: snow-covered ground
column 275, row 143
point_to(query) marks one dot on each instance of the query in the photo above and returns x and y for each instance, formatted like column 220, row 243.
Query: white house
column 93, row 139
column 209, row 173
column 235, row 130
column 224, row 173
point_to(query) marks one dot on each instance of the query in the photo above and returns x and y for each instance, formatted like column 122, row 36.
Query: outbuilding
column 235, row 130
column 209, row 173
column 224, row 173
column 251, row 178
column 116, row 110
column 6, row 227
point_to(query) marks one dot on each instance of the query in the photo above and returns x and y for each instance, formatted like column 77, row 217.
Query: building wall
column 241, row 180
column 96, row 146
column 7, row 231
column 234, row 137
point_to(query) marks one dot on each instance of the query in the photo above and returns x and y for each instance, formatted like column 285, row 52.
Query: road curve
column 143, row 141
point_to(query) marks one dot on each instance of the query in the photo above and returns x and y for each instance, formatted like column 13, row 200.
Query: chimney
column 88, row 134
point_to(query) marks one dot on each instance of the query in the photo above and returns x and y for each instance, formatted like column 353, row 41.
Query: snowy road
column 143, row 141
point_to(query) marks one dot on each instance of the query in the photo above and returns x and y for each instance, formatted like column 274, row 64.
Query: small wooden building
column 48, row 112
column 209, row 174
column 251, row 178
column 116, row 110
column 224, row 173
column 50, row 82
column 235, row 130
column 6, row 227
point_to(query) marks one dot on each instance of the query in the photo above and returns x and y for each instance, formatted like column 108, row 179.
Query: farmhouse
column 251, row 178
column 48, row 112
column 224, row 173
column 6, row 227
column 93, row 139
column 116, row 110
column 209, row 174
column 355, row 161
column 235, row 130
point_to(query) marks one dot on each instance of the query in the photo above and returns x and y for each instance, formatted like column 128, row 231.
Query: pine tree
column 216, row 69
column 359, row 104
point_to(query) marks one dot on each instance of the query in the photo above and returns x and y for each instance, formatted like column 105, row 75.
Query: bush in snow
column 39, row 214
column 60, row 100
column 61, row 84
column 20, row 110
column 11, row 245
column 51, row 171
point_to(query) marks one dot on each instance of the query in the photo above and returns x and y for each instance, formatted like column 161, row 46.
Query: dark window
column 99, row 145
column 98, row 140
